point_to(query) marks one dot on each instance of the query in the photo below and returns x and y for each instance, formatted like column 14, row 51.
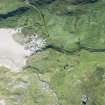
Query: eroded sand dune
column 12, row 54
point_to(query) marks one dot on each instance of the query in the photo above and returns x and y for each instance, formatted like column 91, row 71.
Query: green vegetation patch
column 50, row 61
column 9, row 5
column 65, row 25
column 87, row 78
column 72, row 76
column 23, row 88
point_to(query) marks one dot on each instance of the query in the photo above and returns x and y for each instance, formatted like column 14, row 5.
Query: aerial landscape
column 52, row 52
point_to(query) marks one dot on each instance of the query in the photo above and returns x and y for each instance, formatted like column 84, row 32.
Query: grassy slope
column 23, row 88
column 70, row 75
column 83, row 26
column 9, row 5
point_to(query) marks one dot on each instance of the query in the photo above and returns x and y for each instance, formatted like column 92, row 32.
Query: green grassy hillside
column 72, row 64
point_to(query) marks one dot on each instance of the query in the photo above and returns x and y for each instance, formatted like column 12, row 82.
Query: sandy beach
column 12, row 54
